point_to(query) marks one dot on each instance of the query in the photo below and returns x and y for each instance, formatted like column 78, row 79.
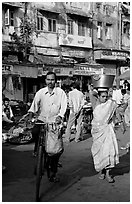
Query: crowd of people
column 111, row 107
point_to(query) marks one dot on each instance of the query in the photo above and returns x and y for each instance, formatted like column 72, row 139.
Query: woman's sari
column 104, row 147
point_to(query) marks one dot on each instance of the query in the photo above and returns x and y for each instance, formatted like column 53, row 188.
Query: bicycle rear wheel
column 39, row 171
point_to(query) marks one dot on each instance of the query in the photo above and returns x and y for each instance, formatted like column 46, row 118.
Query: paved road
column 79, row 181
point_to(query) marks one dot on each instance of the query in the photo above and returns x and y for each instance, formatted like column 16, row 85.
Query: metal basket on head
column 102, row 81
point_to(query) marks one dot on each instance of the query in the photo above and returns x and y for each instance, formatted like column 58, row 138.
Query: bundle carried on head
column 102, row 81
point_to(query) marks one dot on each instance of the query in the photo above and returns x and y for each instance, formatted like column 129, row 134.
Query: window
column 99, row 30
column 52, row 25
column 89, row 32
column 40, row 23
column 126, row 28
column 12, row 18
column 81, row 29
column 9, row 17
column 98, row 6
column 108, row 12
column 70, row 27
column 108, row 31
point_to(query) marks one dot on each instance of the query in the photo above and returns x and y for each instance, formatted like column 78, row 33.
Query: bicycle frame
column 40, row 157
column 43, row 130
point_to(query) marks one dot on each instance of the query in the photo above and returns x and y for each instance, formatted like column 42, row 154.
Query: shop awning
column 54, row 9
column 78, row 13
column 13, row 4
column 41, row 59
column 26, row 71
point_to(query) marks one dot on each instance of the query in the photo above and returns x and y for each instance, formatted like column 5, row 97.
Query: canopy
column 125, row 75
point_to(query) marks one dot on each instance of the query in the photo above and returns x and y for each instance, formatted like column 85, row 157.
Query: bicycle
column 41, row 158
column 41, row 162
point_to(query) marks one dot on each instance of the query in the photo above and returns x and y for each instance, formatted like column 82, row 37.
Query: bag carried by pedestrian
column 54, row 142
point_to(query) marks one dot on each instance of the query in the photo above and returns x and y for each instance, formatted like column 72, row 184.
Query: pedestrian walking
column 104, row 148
column 76, row 102
column 50, row 104
column 118, row 97
column 127, row 110
column 92, row 96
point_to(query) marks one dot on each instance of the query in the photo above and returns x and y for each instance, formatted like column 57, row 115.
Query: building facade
column 73, row 39
column 110, row 44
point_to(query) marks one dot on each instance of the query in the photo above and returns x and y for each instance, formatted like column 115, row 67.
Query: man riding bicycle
column 50, row 103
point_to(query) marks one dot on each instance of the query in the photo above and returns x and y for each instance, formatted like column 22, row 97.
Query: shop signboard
column 78, row 41
column 63, row 71
column 113, row 55
column 44, row 70
column 60, row 71
column 83, row 70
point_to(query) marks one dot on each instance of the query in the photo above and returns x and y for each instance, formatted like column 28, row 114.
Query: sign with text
column 78, row 41
column 113, row 55
column 83, row 70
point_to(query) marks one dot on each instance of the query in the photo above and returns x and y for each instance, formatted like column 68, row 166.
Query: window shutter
column 7, row 17
column 41, row 23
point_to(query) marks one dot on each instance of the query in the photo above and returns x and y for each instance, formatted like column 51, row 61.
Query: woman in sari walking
column 104, row 147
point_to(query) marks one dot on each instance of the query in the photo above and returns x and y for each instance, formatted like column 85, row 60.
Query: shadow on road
column 123, row 166
column 86, row 136
column 19, row 165
column 67, row 179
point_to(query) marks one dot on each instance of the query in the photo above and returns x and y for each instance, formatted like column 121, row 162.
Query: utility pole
column 119, row 42
column 25, row 33
column 92, row 31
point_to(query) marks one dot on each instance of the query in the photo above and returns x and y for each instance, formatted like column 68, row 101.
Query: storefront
column 16, row 80
column 11, row 83
column 83, row 73
column 112, row 61
column 63, row 72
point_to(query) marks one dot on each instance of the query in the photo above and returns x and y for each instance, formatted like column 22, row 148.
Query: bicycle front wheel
column 39, row 169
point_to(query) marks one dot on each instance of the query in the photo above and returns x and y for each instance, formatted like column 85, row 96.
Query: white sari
column 104, row 147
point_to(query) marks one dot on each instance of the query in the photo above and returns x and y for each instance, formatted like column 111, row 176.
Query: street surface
column 78, row 180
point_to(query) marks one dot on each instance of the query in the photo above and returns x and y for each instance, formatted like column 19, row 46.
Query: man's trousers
column 72, row 118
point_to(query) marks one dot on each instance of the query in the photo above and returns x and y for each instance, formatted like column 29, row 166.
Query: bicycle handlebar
column 38, row 123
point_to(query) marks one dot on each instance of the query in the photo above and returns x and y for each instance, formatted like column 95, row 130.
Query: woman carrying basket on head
column 104, row 147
